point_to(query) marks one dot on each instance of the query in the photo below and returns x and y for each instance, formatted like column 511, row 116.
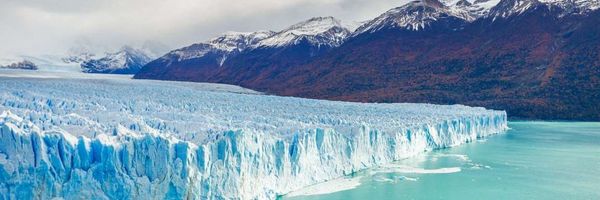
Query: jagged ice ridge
column 125, row 139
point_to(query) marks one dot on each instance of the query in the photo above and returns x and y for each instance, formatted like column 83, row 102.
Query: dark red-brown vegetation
column 535, row 66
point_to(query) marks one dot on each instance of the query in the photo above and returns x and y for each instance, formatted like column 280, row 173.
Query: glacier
column 110, row 137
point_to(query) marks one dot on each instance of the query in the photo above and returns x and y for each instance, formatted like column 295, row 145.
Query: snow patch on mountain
column 126, row 61
column 589, row 4
column 508, row 8
column 318, row 31
column 418, row 15
column 239, row 41
column 470, row 10
column 574, row 6
column 78, row 58
column 222, row 47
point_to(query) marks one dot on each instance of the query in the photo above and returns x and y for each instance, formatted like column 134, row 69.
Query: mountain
column 237, row 56
column 126, row 61
column 510, row 8
column 220, row 47
column 418, row 15
column 78, row 57
column 202, row 57
column 318, row 31
column 25, row 64
column 537, row 59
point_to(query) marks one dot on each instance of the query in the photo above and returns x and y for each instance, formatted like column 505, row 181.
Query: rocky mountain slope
column 249, row 54
column 535, row 59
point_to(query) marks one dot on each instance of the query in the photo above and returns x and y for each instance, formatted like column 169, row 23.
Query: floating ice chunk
column 404, row 169
column 336, row 185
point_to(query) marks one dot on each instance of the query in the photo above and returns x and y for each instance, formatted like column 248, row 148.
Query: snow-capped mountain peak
column 128, row 50
column 225, row 44
column 574, row 6
column 127, row 60
column 318, row 31
column 507, row 8
column 418, row 15
column 77, row 57
column 470, row 10
column 313, row 26
column 232, row 41
column 413, row 15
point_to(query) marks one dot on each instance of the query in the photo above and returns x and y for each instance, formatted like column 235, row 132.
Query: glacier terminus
column 117, row 138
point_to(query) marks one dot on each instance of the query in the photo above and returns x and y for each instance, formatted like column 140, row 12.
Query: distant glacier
column 136, row 139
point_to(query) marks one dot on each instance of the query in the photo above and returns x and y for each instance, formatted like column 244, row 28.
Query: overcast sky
column 37, row 27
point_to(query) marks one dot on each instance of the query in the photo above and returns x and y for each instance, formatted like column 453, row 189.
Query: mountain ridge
column 127, row 60
column 519, row 55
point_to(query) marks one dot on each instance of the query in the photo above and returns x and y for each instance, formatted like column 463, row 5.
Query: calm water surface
column 533, row 160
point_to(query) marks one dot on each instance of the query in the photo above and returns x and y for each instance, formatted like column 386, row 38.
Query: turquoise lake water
column 533, row 160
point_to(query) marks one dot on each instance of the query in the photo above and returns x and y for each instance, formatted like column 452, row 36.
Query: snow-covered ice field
column 96, row 136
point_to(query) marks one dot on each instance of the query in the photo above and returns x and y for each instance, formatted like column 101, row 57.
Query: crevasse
column 116, row 138
column 37, row 163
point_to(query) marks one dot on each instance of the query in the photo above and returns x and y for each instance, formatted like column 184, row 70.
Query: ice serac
column 99, row 140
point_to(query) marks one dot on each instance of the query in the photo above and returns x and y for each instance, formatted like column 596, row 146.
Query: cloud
column 50, row 26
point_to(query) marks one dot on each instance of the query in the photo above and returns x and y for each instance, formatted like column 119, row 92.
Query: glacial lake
column 533, row 160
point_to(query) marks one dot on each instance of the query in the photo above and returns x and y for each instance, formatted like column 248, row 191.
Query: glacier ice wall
column 46, row 164
column 41, row 157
